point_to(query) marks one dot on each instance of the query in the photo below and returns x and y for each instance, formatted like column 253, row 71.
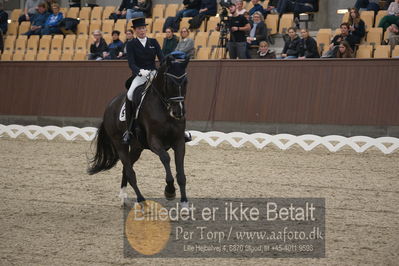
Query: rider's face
column 141, row 31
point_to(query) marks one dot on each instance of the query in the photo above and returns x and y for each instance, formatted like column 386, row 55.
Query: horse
column 160, row 126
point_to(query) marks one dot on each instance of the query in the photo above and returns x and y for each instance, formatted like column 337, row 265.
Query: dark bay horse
column 160, row 126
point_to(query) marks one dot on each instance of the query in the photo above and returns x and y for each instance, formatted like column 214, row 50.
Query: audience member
column 129, row 9
column 357, row 27
column 239, row 25
column 3, row 20
column 169, row 42
column 99, row 48
column 29, row 10
column 303, row 6
column 368, row 5
column 392, row 17
column 115, row 47
column 49, row 4
column 292, row 47
column 38, row 20
column 285, row 6
column 271, row 7
column 191, row 9
column 344, row 50
column 344, row 36
column 308, row 46
column 145, row 6
column 129, row 37
column 257, row 33
column 264, row 52
column 51, row 24
column 186, row 44
column 208, row 7
column 240, row 7
column 256, row 7
column 393, row 35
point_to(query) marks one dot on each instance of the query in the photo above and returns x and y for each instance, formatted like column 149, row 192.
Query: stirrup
column 187, row 136
column 127, row 137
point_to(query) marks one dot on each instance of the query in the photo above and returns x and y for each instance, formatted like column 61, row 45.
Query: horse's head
column 173, row 90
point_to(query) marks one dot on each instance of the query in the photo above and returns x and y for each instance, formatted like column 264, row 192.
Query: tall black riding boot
column 127, row 136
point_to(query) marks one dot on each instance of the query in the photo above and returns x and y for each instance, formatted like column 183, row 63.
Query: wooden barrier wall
column 339, row 92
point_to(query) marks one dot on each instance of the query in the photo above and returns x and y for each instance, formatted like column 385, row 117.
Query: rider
column 141, row 53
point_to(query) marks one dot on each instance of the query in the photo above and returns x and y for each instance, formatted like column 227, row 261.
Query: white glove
column 144, row 72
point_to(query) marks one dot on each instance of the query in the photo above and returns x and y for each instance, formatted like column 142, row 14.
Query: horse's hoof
column 184, row 205
column 170, row 196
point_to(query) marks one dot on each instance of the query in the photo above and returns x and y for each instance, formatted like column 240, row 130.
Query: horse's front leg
column 180, row 151
column 157, row 148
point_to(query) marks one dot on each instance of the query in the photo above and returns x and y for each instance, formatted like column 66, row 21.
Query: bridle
column 178, row 81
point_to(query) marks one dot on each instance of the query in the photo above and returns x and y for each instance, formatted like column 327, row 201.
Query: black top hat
column 138, row 22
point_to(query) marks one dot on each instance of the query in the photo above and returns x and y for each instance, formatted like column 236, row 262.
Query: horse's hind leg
column 180, row 151
column 134, row 156
column 128, row 172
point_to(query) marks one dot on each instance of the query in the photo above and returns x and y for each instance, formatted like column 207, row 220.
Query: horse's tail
column 106, row 154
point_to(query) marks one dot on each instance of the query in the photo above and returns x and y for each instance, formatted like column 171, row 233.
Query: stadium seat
column 66, row 57
column 203, row 53
column 96, row 13
column 171, row 10
column 54, row 57
column 84, row 13
column 374, row 36
column 368, row 18
column 30, row 57
column 42, row 56
column 81, row 44
column 95, row 25
column 108, row 10
column 158, row 11
column 323, row 38
column 13, row 28
column 15, row 14
column 151, row 35
column 33, row 43
column 213, row 39
column 286, row 21
column 72, row 12
column 345, row 18
column 248, row 5
column 201, row 39
column 64, row 10
column 20, row 44
column 56, row 45
column 122, row 37
column 382, row 51
column 24, row 27
column 9, row 44
column 364, row 51
column 184, row 23
column 44, row 45
column 108, row 26
column 395, row 52
column 149, row 26
column 380, row 15
column 6, row 57
column 120, row 25
column 158, row 25
column 212, row 24
column 272, row 23
column 58, row 36
column 83, row 28
column 107, row 38
column 159, row 36
column 79, row 56
column 18, row 57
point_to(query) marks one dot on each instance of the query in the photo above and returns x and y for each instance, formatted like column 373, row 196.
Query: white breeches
column 138, row 80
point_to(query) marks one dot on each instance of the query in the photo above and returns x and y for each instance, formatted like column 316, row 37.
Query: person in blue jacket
column 51, row 24
column 208, row 7
column 256, row 7
column 3, row 19
column 38, row 20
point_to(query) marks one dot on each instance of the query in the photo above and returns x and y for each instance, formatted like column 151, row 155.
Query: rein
column 177, row 80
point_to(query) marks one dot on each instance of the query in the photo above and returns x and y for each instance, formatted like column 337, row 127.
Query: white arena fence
column 333, row 143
